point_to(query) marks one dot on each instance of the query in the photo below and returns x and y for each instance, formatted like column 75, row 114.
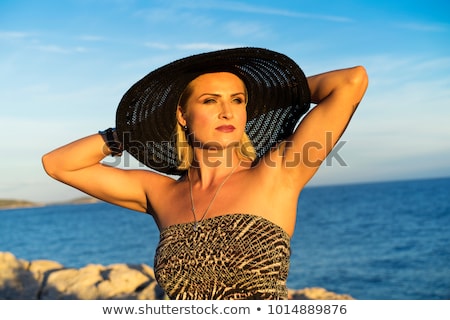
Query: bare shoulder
column 154, row 183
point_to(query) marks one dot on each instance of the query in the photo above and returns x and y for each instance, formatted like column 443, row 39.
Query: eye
column 239, row 100
column 209, row 101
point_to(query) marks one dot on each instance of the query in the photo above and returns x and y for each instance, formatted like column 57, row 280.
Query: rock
column 74, row 284
column 316, row 294
column 123, row 281
column 49, row 280
column 16, row 281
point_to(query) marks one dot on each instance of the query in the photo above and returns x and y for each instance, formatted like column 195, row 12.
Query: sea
column 374, row 241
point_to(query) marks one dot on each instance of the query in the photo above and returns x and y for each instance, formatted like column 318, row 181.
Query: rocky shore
column 15, row 204
column 6, row 204
column 49, row 280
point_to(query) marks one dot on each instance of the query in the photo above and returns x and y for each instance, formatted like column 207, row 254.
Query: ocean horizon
column 378, row 240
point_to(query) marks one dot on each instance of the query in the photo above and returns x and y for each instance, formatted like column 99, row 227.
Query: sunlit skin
column 216, row 112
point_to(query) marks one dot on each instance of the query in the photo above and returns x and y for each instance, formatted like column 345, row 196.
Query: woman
column 226, row 122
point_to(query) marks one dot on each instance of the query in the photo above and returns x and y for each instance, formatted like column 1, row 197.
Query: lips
column 226, row 128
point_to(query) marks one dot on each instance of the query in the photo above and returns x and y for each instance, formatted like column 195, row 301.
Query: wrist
column 111, row 140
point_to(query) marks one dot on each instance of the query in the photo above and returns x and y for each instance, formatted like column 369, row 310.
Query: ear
column 180, row 116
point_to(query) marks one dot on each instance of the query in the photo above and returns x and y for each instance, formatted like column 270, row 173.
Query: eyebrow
column 219, row 95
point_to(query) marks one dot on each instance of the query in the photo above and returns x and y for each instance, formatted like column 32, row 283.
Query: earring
column 185, row 127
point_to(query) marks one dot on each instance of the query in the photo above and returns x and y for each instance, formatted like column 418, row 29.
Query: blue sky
column 66, row 64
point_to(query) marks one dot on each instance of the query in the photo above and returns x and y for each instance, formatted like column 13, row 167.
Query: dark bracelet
column 112, row 141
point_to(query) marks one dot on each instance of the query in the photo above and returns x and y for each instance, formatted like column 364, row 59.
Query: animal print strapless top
column 236, row 256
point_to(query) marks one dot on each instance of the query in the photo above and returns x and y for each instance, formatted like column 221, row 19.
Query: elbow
column 50, row 165
column 360, row 77
column 359, row 80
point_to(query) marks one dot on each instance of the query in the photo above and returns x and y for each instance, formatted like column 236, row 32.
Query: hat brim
column 278, row 95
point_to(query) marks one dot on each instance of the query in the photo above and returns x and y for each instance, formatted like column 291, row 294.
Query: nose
column 226, row 111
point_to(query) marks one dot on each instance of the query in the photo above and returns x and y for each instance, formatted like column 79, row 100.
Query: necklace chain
column 196, row 222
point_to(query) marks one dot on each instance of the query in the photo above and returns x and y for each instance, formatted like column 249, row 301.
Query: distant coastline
column 18, row 203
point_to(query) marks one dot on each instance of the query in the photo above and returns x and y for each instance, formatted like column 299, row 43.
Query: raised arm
column 78, row 164
column 337, row 95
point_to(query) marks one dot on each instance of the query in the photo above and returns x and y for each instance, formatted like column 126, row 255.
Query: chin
column 221, row 145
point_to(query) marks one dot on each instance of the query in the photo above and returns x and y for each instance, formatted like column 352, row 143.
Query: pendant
column 195, row 226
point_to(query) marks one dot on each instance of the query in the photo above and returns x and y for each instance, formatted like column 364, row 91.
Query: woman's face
column 215, row 111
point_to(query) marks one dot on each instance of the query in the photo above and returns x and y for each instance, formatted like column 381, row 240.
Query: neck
column 210, row 166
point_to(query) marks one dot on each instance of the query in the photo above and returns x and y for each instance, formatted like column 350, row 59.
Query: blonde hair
column 185, row 153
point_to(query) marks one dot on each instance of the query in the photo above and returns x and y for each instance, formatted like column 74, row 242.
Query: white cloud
column 193, row 11
column 52, row 48
column 14, row 35
column 204, row 46
column 246, row 8
column 430, row 27
column 242, row 29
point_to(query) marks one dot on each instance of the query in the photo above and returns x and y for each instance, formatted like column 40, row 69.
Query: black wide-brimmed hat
column 278, row 95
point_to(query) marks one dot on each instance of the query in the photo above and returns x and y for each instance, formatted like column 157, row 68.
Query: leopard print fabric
column 234, row 257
